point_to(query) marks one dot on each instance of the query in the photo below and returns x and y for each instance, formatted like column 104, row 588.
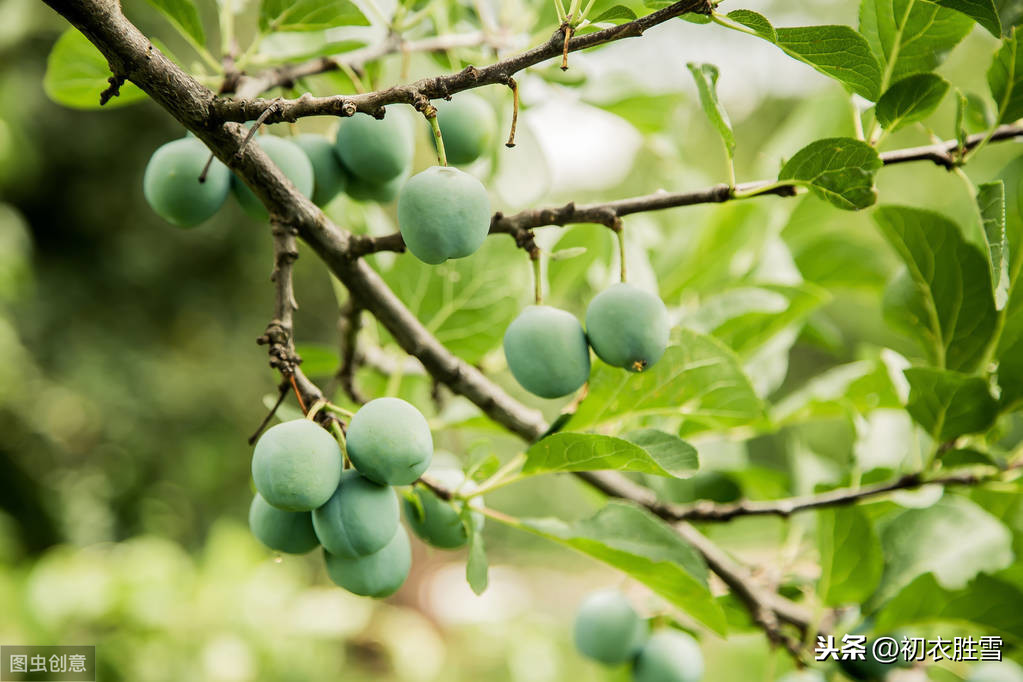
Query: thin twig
column 514, row 86
column 282, row 392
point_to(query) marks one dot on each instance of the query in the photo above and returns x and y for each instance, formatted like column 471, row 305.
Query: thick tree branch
column 246, row 109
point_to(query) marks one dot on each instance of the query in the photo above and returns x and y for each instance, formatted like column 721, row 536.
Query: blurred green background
column 130, row 377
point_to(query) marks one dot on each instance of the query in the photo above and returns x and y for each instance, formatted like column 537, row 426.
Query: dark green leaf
column 991, row 204
column 308, row 15
column 1010, row 353
column 910, row 100
column 851, row 557
column 1005, row 78
column 706, row 77
column 949, row 404
column 476, row 566
column 650, row 452
column 184, row 16
column 983, row 12
column 76, row 74
column 838, row 169
column 756, row 21
column 643, row 547
column 835, row 51
column 950, row 287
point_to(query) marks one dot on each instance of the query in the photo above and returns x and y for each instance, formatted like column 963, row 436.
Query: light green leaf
column 476, row 566
column 851, row 557
column 76, row 74
column 838, row 169
column 991, row 204
column 643, row 547
column 619, row 14
column 950, row 285
column 983, row 12
column 1010, row 353
column 954, row 539
column 318, row 360
column 756, row 21
column 850, row 389
column 699, row 379
column 706, row 77
column 910, row 100
column 184, row 16
column 1005, row 78
column 308, row 15
column 949, row 404
column 835, row 51
column 648, row 451
column 910, row 36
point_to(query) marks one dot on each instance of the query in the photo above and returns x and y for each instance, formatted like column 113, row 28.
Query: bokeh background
column 130, row 377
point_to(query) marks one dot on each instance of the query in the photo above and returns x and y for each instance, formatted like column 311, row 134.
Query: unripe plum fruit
column 443, row 213
column 171, row 183
column 376, row 575
column 290, row 159
column 627, row 327
column 296, row 465
column 669, row 656
column 358, row 519
column 547, row 352
column 389, row 441
column 375, row 150
column 284, row 531
column 329, row 176
column 468, row 126
column 365, row 190
column 608, row 629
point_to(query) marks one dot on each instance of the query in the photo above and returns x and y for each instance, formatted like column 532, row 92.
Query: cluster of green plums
column 548, row 352
column 443, row 212
column 608, row 630
column 306, row 498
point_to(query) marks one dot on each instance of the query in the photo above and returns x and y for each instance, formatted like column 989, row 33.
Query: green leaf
column 643, row 547
column 949, row 404
column 699, row 379
column 76, row 74
column 184, row 16
column 983, row 12
column 706, row 77
column 476, row 566
column 1005, row 78
column 857, row 388
column 308, row 15
column 950, row 287
column 851, row 557
column 910, row 36
column 648, row 451
column 318, row 360
column 838, row 169
column 1010, row 354
column 619, row 14
column 910, row 100
column 835, row 51
column 954, row 539
column 991, row 204
column 756, row 21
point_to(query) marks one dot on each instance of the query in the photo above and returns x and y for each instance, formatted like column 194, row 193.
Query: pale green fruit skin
column 292, row 161
column 171, row 183
column 375, row 150
column 377, row 575
column 627, row 327
column 389, row 442
column 283, row 531
column 468, row 126
column 329, row 176
column 547, row 352
column 669, row 656
column 443, row 213
column 608, row 629
column 1002, row 671
column 358, row 519
column 364, row 190
column 296, row 465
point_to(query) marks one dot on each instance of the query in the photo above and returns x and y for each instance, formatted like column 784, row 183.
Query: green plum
column 547, row 352
column 468, row 126
column 171, row 183
column 627, row 327
column 290, row 159
column 359, row 518
column 376, row 575
column 443, row 213
column 329, row 176
column 375, row 150
column 389, row 441
column 669, row 656
column 284, row 531
column 608, row 629
column 364, row 190
column 296, row 465
column 1001, row 671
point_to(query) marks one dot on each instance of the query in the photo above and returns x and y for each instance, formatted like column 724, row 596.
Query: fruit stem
column 339, row 433
column 513, row 84
column 206, row 169
column 338, row 410
column 317, row 406
column 620, row 233
column 537, row 278
column 568, row 36
column 431, row 116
